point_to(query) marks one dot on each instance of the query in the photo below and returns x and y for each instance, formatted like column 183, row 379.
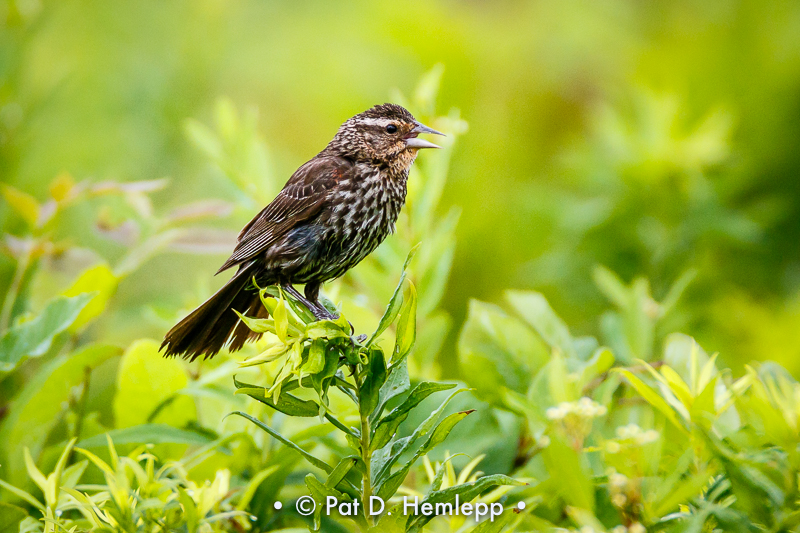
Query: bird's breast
column 364, row 211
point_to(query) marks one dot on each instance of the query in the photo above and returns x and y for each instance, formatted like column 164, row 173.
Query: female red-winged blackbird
column 333, row 212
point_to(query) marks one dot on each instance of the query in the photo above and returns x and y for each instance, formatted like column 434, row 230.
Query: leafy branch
column 323, row 356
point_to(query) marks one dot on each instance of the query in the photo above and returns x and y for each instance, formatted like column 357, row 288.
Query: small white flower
column 629, row 431
column 636, row 527
column 613, row 446
column 651, row 435
column 617, row 480
column 619, row 499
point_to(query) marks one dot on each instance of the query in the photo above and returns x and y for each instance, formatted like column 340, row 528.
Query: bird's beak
column 418, row 144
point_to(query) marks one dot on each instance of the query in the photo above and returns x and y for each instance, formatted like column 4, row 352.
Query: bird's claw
column 320, row 313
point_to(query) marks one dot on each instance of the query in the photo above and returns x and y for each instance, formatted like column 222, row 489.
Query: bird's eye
column 391, row 128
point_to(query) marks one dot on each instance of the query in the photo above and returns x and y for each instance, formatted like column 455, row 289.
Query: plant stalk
column 16, row 284
column 366, row 456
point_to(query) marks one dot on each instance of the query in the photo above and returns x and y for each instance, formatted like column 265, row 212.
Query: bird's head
column 386, row 133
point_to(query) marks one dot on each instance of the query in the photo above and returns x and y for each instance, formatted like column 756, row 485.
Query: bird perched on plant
column 333, row 212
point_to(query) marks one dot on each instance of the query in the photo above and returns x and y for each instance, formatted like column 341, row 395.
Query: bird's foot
column 320, row 313
column 316, row 308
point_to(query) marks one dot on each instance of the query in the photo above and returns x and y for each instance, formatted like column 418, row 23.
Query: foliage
column 601, row 134
column 375, row 463
column 670, row 445
column 59, row 385
column 135, row 497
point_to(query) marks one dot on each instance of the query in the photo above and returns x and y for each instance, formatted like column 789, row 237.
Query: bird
column 332, row 213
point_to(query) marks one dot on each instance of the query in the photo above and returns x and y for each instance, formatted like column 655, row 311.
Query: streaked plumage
column 333, row 212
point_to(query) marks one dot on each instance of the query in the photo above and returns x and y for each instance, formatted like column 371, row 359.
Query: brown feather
column 301, row 199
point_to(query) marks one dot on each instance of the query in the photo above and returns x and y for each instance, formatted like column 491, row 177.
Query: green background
column 650, row 137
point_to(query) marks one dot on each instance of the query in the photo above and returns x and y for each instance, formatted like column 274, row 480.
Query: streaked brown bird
column 333, row 212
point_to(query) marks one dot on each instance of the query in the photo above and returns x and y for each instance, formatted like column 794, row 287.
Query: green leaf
column 754, row 489
column 322, row 380
column 601, row 361
column 53, row 486
column 396, row 384
column 704, row 411
column 287, row 403
column 498, row 524
column 189, row 510
column 144, row 380
column 319, row 463
column 281, row 316
column 258, row 325
column 73, row 473
column 466, row 492
column 438, row 479
column 23, row 495
column 612, row 286
column 147, row 434
column 677, row 385
column 23, row 203
column 388, row 425
column 386, row 489
column 12, row 516
column 500, row 351
column 406, row 325
column 653, row 398
column 33, row 338
column 585, row 519
column 252, row 486
column 684, row 491
column 373, row 381
column 341, row 470
column 298, row 308
column 320, row 493
column 327, row 329
column 384, row 458
column 33, row 472
column 533, row 307
column 37, row 408
column 442, row 430
column 395, row 302
column 316, row 358
column 709, row 371
column 564, row 465
column 561, row 389
column 676, row 290
column 686, row 357
column 272, row 353
column 100, row 281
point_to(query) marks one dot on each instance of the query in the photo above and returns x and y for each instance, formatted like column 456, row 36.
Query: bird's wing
column 301, row 199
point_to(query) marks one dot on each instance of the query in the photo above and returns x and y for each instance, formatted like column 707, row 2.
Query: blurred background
column 658, row 139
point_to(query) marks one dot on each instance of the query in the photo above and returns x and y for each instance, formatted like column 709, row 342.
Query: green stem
column 81, row 405
column 16, row 285
column 366, row 456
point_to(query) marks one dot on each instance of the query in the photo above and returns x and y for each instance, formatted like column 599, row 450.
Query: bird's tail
column 206, row 329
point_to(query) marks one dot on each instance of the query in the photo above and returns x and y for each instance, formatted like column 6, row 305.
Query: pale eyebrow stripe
column 376, row 121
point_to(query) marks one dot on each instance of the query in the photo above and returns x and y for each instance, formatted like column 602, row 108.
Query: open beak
column 413, row 142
